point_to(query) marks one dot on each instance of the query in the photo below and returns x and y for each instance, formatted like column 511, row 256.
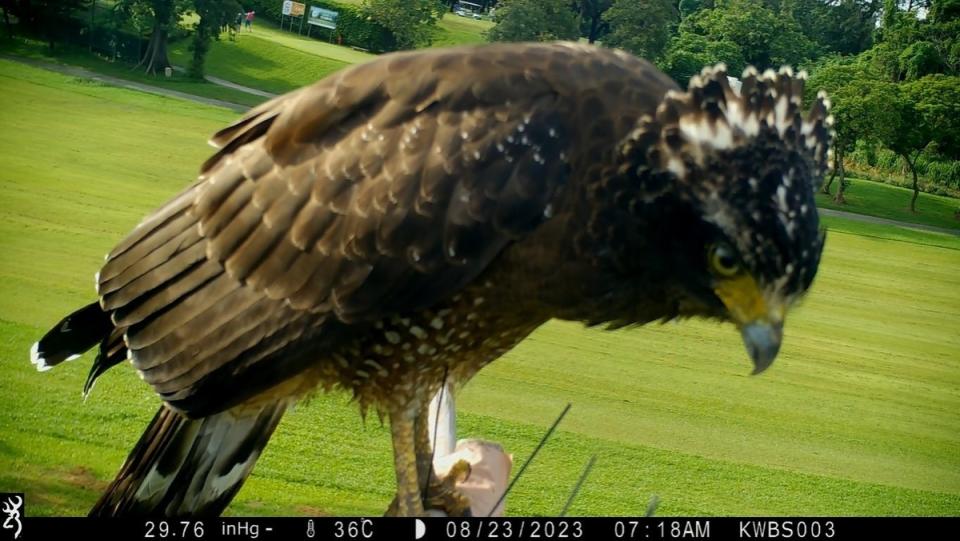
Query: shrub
column 937, row 175
column 353, row 27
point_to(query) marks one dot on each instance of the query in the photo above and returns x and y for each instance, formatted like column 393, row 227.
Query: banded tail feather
column 180, row 466
column 190, row 467
column 71, row 337
column 74, row 335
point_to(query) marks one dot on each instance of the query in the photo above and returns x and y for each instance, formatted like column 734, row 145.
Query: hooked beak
column 760, row 324
column 762, row 340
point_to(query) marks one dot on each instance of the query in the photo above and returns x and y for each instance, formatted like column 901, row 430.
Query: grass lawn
column 861, row 414
column 279, row 60
column 266, row 30
column 451, row 30
column 264, row 62
column 456, row 30
column 893, row 202
column 80, row 57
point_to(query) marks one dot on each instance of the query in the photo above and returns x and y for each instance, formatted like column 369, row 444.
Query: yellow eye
column 723, row 260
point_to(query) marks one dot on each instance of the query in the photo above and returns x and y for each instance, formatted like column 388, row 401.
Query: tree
column 837, row 26
column 48, row 19
column 688, row 53
column 592, row 24
column 161, row 16
column 689, row 7
column 912, row 47
column 918, row 59
column 642, row 27
column 904, row 92
column 889, row 14
column 944, row 10
column 412, row 22
column 937, row 99
column 5, row 5
column 534, row 20
column 214, row 15
column 859, row 108
column 929, row 113
column 737, row 32
column 906, row 135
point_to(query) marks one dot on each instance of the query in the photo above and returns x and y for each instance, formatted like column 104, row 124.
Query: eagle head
column 726, row 177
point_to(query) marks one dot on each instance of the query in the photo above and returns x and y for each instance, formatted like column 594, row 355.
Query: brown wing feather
column 384, row 188
column 414, row 181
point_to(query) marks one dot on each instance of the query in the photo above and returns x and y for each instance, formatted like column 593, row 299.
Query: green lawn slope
column 859, row 416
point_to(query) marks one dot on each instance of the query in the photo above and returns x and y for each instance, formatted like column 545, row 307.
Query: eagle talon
column 443, row 494
column 452, row 504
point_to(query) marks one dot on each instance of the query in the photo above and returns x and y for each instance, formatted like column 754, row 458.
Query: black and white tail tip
column 71, row 337
column 38, row 360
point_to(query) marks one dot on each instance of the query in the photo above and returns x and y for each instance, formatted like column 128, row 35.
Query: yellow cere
column 744, row 299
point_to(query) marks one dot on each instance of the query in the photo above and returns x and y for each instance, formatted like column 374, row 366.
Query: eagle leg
column 408, row 502
column 433, row 492
column 423, row 448
column 438, row 493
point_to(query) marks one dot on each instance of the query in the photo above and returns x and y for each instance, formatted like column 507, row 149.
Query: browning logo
column 12, row 506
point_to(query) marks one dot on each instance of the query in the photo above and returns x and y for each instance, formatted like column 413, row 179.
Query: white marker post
column 490, row 465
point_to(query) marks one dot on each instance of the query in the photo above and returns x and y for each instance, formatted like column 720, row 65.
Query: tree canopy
column 534, row 20
column 214, row 14
column 891, row 67
column 903, row 93
column 642, row 27
column 412, row 22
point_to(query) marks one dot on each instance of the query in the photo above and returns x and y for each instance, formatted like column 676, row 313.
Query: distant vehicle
column 469, row 10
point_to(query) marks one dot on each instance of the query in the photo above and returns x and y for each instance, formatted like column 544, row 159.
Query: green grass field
column 267, row 31
column 279, row 61
column 456, row 30
column 262, row 62
column 860, row 415
column 892, row 202
column 80, row 57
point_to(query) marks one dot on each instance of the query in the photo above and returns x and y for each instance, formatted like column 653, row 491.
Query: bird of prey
column 409, row 220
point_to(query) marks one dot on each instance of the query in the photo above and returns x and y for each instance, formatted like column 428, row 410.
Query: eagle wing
column 384, row 188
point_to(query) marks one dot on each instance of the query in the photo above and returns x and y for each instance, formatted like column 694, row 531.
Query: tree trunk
column 837, row 164
column 139, row 45
column 6, row 21
column 839, row 198
column 592, row 10
column 93, row 11
column 199, row 47
column 916, row 185
column 594, row 27
column 826, row 185
column 155, row 59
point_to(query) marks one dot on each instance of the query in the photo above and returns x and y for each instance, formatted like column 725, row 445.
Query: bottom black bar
column 439, row 529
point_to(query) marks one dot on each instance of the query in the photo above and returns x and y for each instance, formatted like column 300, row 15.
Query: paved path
column 884, row 221
column 229, row 84
column 81, row 72
column 123, row 83
column 241, row 88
